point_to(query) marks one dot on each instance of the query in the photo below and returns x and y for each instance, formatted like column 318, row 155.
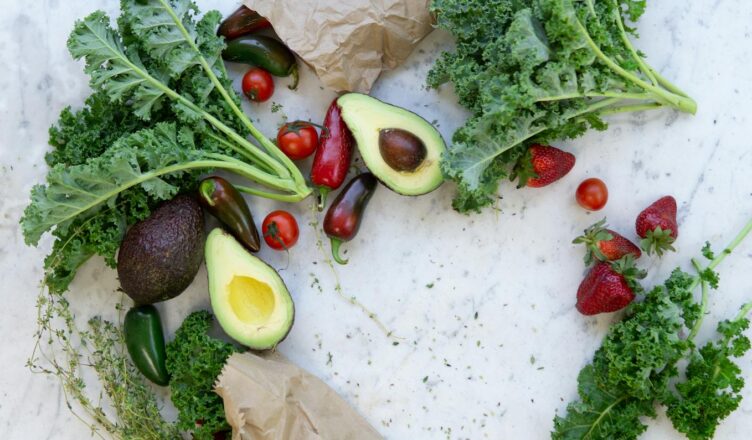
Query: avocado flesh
column 249, row 299
column 366, row 117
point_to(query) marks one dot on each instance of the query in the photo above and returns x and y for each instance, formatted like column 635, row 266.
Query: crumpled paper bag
column 348, row 42
column 272, row 399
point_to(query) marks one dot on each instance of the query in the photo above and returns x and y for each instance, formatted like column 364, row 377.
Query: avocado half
column 249, row 299
column 371, row 121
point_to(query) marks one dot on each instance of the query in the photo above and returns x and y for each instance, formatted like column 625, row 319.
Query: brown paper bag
column 348, row 42
column 272, row 399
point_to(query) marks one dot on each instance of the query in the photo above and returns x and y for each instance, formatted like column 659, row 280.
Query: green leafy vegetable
column 638, row 361
column 536, row 71
column 194, row 361
column 711, row 390
column 155, row 78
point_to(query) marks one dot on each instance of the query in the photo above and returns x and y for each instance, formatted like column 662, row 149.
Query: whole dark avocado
column 160, row 256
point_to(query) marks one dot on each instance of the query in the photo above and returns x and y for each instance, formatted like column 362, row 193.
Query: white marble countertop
column 492, row 343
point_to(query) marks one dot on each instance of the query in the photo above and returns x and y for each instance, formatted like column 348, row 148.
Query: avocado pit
column 401, row 150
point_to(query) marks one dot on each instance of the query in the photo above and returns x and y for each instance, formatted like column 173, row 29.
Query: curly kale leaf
column 126, row 68
column 533, row 72
column 634, row 365
column 90, row 205
column 638, row 356
column 637, row 365
column 600, row 414
column 713, row 384
column 80, row 191
column 194, row 361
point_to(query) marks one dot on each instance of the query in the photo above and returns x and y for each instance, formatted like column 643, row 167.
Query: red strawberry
column 543, row 165
column 608, row 287
column 605, row 244
column 657, row 226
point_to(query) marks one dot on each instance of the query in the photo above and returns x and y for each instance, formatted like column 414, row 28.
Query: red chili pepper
column 333, row 156
column 343, row 218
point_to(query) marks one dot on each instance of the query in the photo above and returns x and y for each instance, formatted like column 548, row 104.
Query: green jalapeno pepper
column 264, row 52
column 145, row 342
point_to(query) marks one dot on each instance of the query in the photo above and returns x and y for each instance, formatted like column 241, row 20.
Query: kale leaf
column 194, row 361
column 161, row 66
column 637, row 365
column 533, row 71
column 712, row 387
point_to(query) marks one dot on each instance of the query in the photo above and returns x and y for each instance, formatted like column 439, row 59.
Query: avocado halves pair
column 224, row 202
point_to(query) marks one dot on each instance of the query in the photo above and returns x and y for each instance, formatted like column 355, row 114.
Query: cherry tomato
column 280, row 230
column 258, row 85
column 298, row 139
column 592, row 194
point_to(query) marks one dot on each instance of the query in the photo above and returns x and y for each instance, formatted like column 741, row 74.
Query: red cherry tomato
column 298, row 139
column 280, row 230
column 592, row 194
column 258, row 85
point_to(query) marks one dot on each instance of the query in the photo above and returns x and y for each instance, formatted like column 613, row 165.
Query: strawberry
column 605, row 244
column 542, row 165
column 609, row 287
column 657, row 226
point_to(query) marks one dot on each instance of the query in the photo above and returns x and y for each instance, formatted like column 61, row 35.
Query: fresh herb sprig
column 119, row 404
column 533, row 71
column 637, row 364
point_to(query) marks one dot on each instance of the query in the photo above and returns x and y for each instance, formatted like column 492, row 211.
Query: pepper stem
column 323, row 192
column 206, row 190
column 336, row 242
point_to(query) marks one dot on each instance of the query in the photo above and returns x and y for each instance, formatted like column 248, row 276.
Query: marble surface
column 490, row 341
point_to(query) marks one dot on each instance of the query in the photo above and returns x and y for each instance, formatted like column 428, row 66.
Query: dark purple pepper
column 343, row 218
column 224, row 202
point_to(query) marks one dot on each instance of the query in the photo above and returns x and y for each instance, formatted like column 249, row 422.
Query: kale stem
column 243, row 152
column 679, row 102
column 668, row 85
column 643, row 66
column 250, row 173
column 536, row 131
column 727, row 251
column 630, row 108
column 273, row 196
column 172, row 94
column 265, row 142
column 703, row 303
column 595, row 95
column 744, row 311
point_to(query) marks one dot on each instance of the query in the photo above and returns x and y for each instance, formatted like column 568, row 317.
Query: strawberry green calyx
column 605, row 244
column 658, row 240
column 591, row 237
column 625, row 266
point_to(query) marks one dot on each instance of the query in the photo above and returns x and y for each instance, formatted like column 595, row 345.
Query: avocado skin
column 160, row 256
